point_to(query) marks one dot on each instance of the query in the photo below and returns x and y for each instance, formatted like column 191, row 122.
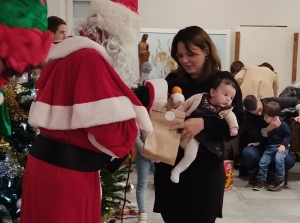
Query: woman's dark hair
column 236, row 66
column 196, row 36
column 265, row 64
column 272, row 109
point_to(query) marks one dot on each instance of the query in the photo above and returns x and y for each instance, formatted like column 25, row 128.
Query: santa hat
column 24, row 40
column 121, row 20
column 119, row 17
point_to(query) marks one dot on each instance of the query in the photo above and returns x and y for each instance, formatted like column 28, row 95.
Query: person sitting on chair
column 276, row 150
column 256, row 127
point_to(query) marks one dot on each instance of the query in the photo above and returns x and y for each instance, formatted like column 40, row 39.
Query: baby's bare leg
column 190, row 153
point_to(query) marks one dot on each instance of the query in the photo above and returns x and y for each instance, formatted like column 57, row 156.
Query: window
column 80, row 8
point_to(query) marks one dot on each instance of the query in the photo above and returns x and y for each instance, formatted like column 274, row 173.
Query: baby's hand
column 281, row 149
column 253, row 144
column 234, row 131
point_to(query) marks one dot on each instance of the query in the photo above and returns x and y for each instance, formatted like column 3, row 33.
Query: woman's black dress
column 199, row 194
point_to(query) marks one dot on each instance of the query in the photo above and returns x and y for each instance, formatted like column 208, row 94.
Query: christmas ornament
column 35, row 74
column 130, row 188
column 3, row 144
column 18, row 204
column 23, row 125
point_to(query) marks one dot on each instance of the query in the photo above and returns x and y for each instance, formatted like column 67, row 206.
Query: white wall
column 219, row 14
column 273, row 45
column 58, row 8
column 209, row 14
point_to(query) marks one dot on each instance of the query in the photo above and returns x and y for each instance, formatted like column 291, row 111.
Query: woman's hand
column 190, row 128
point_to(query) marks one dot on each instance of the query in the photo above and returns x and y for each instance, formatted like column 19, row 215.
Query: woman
column 198, row 197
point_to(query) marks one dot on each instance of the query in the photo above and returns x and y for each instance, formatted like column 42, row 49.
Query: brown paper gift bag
column 162, row 145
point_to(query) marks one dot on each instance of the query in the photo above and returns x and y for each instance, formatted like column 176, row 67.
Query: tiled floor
column 243, row 205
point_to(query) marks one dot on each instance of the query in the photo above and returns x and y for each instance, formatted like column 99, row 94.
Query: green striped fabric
column 24, row 13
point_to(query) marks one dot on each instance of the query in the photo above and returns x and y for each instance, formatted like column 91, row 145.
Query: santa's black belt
column 68, row 156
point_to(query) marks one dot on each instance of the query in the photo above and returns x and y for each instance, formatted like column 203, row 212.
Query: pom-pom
column 23, row 47
column 177, row 97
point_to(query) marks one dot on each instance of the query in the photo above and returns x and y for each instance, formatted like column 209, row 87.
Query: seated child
column 276, row 149
column 217, row 103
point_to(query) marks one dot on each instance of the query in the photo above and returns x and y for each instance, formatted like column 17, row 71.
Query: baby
column 216, row 103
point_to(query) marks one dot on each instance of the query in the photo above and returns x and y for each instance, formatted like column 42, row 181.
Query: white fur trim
column 143, row 120
column 88, row 114
column 73, row 44
column 116, row 18
column 160, row 86
column 120, row 22
column 98, row 146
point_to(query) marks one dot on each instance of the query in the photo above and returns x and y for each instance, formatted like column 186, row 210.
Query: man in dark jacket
column 256, row 127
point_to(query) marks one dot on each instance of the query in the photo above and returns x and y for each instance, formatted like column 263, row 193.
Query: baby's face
column 223, row 95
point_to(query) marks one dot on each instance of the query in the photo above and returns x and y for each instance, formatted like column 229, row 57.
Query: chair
column 286, row 177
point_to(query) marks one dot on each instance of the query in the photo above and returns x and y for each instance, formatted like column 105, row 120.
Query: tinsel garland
column 4, row 214
column 14, row 149
column 10, row 169
column 19, row 96
column 16, row 112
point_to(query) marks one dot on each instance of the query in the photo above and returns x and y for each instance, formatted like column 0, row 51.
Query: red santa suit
column 83, row 109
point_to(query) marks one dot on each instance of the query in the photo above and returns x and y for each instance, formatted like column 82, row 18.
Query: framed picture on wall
column 160, row 41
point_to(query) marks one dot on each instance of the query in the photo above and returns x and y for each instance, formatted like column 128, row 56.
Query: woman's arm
column 218, row 129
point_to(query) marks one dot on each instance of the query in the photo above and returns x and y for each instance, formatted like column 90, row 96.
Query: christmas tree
column 14, row 151
column 113, row 192
column 14, row 148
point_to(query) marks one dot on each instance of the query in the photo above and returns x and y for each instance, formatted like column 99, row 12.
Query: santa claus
column 87, row 114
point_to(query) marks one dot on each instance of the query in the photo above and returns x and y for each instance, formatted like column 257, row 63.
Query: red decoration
column 132, row 4
column 23, row 47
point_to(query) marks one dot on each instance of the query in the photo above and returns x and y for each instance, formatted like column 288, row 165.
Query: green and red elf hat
column 24, row 37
